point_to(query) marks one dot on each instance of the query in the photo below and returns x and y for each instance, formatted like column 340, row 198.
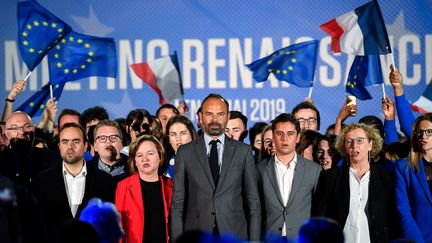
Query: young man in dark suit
column 64, row 190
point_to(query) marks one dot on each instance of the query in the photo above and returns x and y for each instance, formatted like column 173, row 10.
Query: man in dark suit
column 64, row 190
column 287, row 181
column 215, row 187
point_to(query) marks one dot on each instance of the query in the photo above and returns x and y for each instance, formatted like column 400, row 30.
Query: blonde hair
column 371, row 134
column 134, row 149
column 416, row 152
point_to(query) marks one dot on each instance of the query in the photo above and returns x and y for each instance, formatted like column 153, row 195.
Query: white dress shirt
column 284, row 177
column 75, row 187
column 356, row 229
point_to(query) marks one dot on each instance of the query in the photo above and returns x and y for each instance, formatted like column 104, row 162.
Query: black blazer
column 333, row 196
column 49, row 188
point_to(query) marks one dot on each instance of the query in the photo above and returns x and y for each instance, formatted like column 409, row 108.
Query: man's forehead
column 307, row 112
column 17, row 119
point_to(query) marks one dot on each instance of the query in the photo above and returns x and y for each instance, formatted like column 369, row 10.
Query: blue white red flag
column 359, row 32
column 424, row 103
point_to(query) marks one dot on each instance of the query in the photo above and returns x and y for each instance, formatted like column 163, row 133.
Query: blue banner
column 214, row 41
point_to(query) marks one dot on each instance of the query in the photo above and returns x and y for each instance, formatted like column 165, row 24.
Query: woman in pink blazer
column 144, row 199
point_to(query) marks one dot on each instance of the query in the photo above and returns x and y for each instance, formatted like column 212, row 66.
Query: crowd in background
column 157, row 178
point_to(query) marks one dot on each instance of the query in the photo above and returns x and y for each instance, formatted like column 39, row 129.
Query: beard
column 215, row 131
column 72, row 158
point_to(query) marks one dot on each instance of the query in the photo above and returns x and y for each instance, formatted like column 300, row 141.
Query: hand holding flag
column 294, row 64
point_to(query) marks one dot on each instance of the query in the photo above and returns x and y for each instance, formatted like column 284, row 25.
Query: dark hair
column 214, row 96
column 286, row 117
column 336, row 156
column 167, row 106
column 93, row 113
column 307, row 138
column 257, row 128
column 74, row 125
column 122, row 123
column 243, row 118
column 375, row 122
column 71, row 112
column 307, row 105
column 136, row 116
column 321, row 229
column 183, row 120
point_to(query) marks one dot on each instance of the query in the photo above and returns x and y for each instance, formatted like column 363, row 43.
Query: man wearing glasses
column 308, row 116
column 108, row 143
column 21, row 160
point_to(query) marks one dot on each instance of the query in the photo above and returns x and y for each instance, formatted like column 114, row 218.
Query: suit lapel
column 345, row 185
column 136, row 193
column 421, row 177
column 227, row 157
column 60, row 189
column 271, row 175
column 201, row 155
column 297, row 180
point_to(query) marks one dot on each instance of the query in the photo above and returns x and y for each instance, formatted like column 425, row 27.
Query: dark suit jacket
column 234, row 204
column 333, row 197
column 49, row 188
column 298, row 208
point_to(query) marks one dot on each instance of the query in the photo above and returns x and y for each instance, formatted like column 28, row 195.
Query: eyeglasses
column 111, row 138
column 26, row 127
column 141, row 127
column 358, row 140
column 419, row 132
column 310, row 120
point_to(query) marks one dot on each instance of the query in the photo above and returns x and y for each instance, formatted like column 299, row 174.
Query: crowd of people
column 156, row 178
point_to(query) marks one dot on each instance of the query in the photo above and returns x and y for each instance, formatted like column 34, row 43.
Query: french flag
column 359, row 32
column 424, row 103
column 163, row 76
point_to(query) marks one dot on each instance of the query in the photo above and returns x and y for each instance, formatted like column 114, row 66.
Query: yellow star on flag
column 63, row 41
column 75, row 71
column 89, row 60
column 35, row 23
column 83, row 66
column 42, row 106
column 31, row 50
column 91, row 53
column 54, row 25
column 31, row 104
column 56, row 55
column 60, row 30
column 290, row 68
column 25, row 43
column 40, row 52
column 29, row 27
column 293, row 60
column 79, row 41
column 59, row 65
column 45, row 23
column 24, row 34
column 66, row 70
column 87, row 45
column 71, row 38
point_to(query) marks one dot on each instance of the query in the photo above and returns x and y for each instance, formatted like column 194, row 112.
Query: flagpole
column 28, row 75
column 310, row 92
column 51, row 91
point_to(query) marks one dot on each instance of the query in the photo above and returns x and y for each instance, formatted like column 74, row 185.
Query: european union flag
column 35, row 105
column 38, row 31
column 365, row 71
column 80, row 56
column 294, row 64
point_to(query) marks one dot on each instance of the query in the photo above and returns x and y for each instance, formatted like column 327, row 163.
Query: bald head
column 19, row 125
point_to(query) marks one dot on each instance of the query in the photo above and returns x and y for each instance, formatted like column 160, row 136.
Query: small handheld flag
column 359, row 32
column 365, row 71
column 35, row 105
column 38, row 32
column 80, row 56
column 163, row 76
column 294, row 64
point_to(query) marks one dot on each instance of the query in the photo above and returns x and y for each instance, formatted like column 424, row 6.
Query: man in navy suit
column 64, row 190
